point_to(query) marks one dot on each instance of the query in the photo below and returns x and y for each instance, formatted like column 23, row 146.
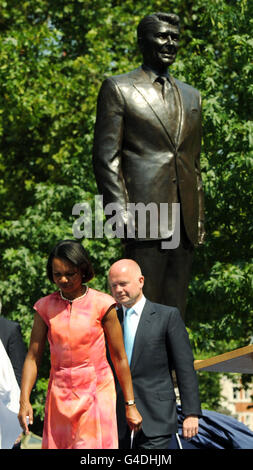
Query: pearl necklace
column 77, row 298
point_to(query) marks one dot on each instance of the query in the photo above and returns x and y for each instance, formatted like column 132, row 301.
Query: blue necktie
column 128, row 333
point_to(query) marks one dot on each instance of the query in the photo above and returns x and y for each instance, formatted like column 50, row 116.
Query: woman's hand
column 133, row 417
column 25, row 416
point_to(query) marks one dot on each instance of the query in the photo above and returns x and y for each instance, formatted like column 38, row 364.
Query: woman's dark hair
column 73, row 252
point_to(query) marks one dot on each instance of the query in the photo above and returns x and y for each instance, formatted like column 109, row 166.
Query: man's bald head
column 126, row 282
column 124, row 265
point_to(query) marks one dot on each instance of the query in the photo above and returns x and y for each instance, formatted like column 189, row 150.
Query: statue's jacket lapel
column 152, row 97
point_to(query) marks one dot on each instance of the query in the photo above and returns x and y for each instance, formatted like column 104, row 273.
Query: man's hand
column 190, row 427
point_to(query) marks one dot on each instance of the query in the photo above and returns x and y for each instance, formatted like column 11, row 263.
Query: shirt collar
column 138, row 307
column 152, row 74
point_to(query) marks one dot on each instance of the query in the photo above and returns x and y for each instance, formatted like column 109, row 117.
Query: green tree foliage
column 53, row 58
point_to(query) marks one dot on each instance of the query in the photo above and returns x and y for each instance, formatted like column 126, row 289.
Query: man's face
column 126, row 286
column 160, row 45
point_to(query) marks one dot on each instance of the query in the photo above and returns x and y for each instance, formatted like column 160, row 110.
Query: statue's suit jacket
column 161, row 341
column 136, row 157
column 11, row 337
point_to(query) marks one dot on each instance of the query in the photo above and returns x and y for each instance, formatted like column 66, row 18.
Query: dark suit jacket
column 161, row 341
column 11, row 337
column 137, row 159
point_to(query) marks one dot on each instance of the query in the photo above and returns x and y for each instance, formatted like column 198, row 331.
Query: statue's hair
column 149, row 20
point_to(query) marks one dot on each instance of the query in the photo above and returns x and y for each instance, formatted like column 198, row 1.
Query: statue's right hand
column 25, row 416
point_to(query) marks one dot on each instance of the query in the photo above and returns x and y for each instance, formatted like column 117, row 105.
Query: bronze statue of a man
column 147, row 149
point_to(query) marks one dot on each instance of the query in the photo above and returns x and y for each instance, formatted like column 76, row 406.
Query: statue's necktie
column 129, row 333
column 169, row 97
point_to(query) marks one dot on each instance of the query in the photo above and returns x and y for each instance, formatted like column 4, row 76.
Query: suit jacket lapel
column 152, row 98
column 142, row 332
column 187, row 103
column 143, row 85
column 180, row 106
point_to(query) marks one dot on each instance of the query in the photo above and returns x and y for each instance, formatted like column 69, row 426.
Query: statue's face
column 160, row 45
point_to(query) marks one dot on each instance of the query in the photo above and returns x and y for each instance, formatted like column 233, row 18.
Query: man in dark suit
column 11, row 337
column 147, row 150
column 155, row 341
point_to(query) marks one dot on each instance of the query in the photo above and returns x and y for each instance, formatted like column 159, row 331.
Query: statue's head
column 158, row 39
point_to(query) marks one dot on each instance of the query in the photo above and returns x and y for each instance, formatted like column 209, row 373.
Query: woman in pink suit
column 80, row 406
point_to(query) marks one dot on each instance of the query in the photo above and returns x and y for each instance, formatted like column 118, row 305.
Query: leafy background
column 53, row 59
